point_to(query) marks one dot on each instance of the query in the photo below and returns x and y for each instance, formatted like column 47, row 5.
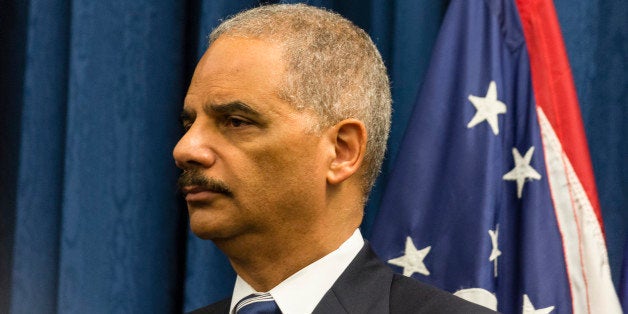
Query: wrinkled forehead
column 239, row 67
column 245, row 70
column 238, row 56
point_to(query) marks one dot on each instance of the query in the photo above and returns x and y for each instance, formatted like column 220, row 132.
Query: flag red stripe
column 554, row 88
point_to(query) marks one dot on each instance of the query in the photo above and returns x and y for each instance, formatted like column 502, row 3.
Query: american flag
column 492, row 195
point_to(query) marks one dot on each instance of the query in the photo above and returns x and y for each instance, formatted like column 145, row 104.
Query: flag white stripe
column 583, row 243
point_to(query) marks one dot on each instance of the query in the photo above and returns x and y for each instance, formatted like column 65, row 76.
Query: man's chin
column 203, row 229
column 203, row 223
column 210, row 227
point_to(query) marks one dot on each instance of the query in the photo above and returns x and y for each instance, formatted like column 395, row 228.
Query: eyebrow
column 231, row 107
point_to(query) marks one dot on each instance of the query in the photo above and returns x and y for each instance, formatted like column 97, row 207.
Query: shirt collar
column 301, row 292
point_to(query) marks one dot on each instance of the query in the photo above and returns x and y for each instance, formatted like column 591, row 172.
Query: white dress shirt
column 301, row 292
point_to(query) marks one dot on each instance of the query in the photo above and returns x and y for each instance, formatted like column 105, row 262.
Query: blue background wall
column 90, row 92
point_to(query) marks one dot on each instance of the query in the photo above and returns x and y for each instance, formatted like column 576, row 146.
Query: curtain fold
column 12, row 30
column 41, row 157
column 120, row 223
column 90, row 92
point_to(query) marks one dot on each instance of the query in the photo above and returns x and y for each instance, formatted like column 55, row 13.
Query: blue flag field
column 492, row 196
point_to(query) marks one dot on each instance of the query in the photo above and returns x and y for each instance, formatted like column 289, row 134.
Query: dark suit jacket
column 369, row 286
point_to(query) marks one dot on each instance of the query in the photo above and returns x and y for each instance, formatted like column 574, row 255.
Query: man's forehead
column 234, row 64
column 239, row 54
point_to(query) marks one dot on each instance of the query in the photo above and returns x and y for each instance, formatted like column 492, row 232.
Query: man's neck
column 267, row 262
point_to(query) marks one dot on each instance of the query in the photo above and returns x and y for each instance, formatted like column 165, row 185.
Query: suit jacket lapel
column 330, row 304
column 363, row 287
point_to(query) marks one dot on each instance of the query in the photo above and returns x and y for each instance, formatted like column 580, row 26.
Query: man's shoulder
column 369, row 286
column 220, row 307
column 408, row 295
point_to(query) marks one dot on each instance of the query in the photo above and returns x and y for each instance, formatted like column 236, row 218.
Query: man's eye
column 236, row 122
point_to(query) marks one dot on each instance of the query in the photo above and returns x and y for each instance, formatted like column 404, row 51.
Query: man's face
column 252, row 166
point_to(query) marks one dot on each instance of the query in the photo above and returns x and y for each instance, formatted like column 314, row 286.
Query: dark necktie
column 257, row 303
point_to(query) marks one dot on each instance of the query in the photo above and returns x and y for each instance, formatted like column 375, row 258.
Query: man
column 286, row 121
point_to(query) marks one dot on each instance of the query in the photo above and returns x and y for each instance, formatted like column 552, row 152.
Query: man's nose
column 194, row 150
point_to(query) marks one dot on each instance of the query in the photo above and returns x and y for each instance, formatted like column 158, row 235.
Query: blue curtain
column 90, row 92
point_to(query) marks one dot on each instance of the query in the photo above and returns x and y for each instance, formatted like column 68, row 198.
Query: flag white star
column 495, row 252
column 528, row 308
column 412, row 261
column 488, row 107
column 479, row 296
column 522, row 169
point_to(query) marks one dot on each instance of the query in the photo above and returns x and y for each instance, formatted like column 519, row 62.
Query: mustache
column 196, row 178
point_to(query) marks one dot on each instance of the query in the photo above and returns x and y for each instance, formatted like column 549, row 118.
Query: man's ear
column 349, row 138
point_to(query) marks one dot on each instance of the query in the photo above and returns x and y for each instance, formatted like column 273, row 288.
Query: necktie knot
column 257, row 303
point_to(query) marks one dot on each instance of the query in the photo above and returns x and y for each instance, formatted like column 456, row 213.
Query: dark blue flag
column 487, row 198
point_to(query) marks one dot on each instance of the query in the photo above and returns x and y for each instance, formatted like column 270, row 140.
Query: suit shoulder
column 220, row 307
column 408, row 295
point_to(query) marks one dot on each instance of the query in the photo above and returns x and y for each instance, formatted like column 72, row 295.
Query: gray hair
column 333, row 68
